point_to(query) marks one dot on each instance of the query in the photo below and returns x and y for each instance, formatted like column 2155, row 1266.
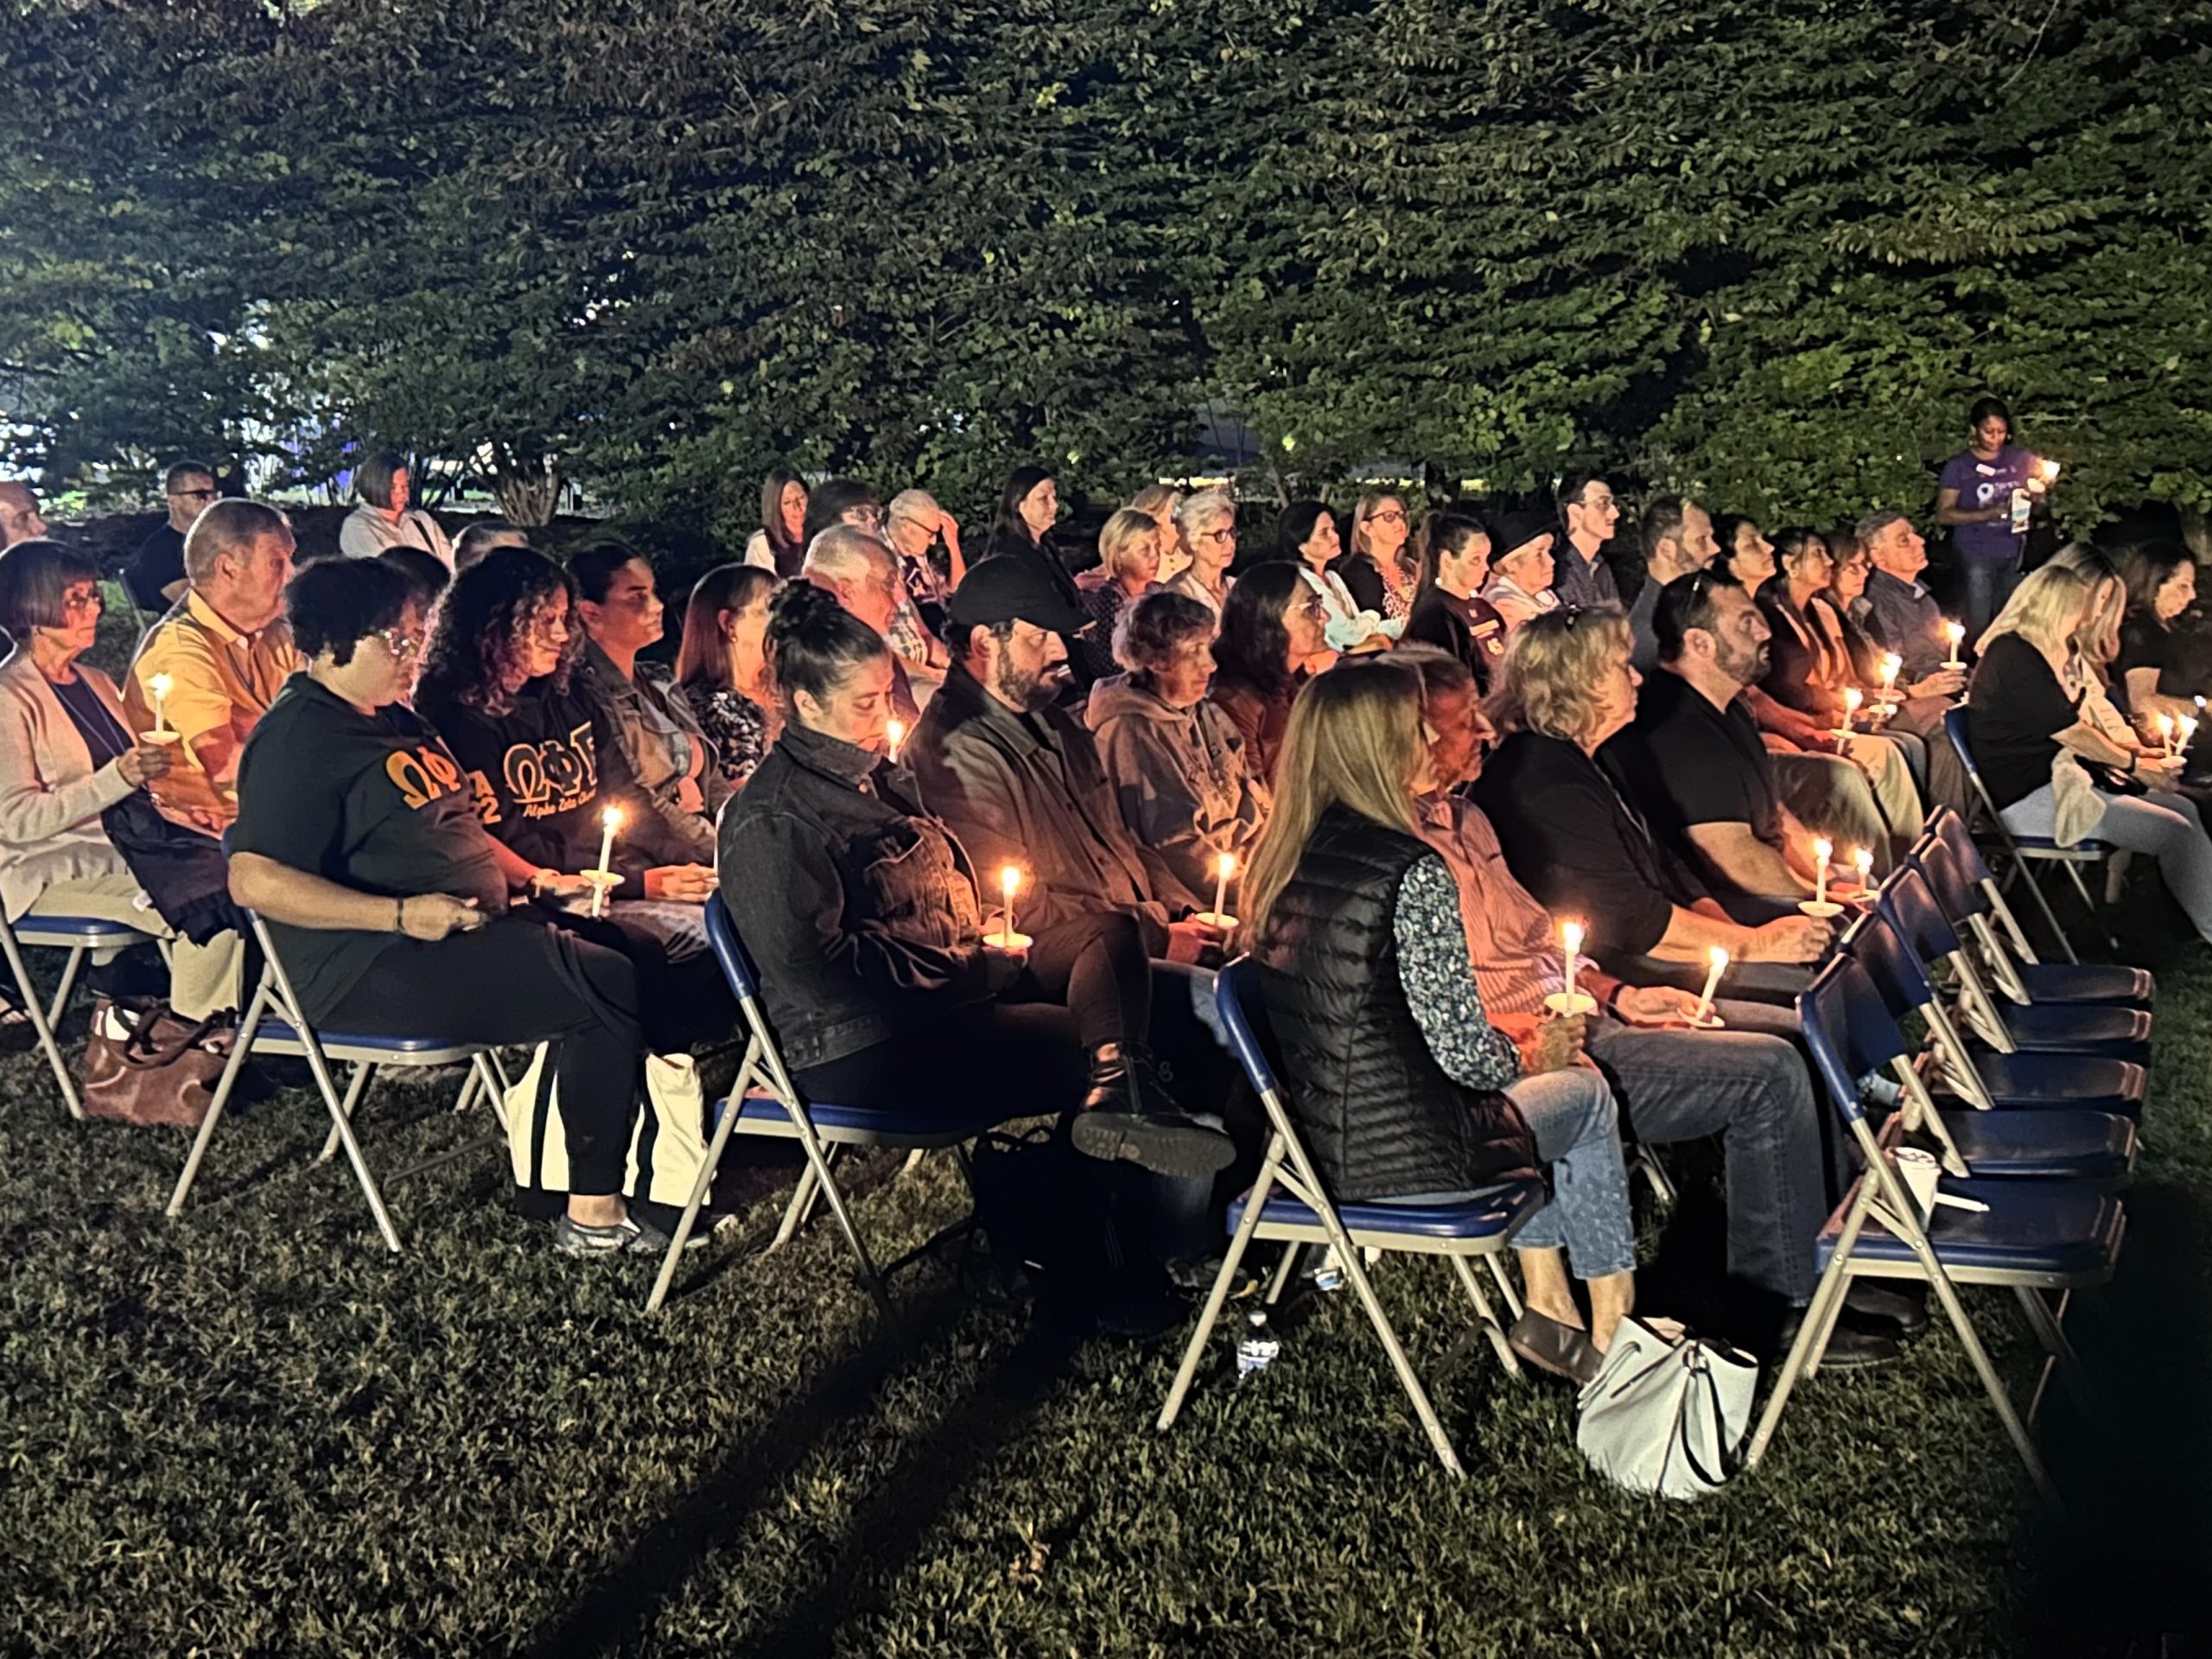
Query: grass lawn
column 252, row 1432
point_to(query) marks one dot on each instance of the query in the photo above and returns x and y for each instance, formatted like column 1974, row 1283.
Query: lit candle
column 1570, row 934
column 896, row 730
column 1956, row 633
column 1823, row 850
column 1225, row 867
column 1863, row 861
column 2050, row 472
column 160, row 684
column 1720, row 958
column 609, row 822
column 1009, row 884
column 1851, row 699
column 1890, row 664
column 2166, row 734
column 2188, row 734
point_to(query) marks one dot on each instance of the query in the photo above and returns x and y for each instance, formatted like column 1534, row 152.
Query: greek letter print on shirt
column 545, row 779
column 421, row 775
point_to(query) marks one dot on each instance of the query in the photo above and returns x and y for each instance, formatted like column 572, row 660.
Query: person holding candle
column 1401, row 1087
column 1745, row 1081
column 498, row 684
column 1898, row 611
column 70, row 766
column 2049, row 767
column 1977, row 496
column 357, row 843
column 1175, row 761
column 2161, row 585
column 864, row 916
column 1695, row 762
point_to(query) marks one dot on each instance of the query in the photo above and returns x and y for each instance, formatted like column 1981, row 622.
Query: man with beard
column 1695, row 761
column 1018, row 781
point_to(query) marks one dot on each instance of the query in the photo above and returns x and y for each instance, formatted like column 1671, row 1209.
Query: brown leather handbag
column 150, row 1067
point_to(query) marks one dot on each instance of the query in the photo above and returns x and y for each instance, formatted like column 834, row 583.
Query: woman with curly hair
column 498, row 684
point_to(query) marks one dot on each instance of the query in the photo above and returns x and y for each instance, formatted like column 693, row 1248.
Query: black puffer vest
column 1379, row 1115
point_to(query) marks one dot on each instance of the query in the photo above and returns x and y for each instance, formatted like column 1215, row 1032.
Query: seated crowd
column 974, row 820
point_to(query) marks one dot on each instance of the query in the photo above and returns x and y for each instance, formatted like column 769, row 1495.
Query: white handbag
column 1667, row 1412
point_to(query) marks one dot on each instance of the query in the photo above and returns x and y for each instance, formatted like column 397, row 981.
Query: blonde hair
column 1157, row 501
column 2044, row 607
column 1408, row 560
column 1354, row 741
column 1550, row 679
column 1121, row 534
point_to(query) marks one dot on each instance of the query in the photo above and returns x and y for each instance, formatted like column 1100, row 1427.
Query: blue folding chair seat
column 2060, row 1232
column 2092, row 1147
column 2038, row 1082
column 1493, row 1212
column 278, row 1036
column 2109, row 1029
column 861, row 1125
column 79, row 936
column 2087, row 981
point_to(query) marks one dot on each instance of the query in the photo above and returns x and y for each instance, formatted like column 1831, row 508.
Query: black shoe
column 1902, row 1306
column 1852, row 1346
column 1127, row 1115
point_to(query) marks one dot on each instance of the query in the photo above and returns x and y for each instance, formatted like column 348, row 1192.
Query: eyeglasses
column 1388, row 516
column 403, row 647
column 1216, row 536
column 83, row 599
column 192, row 495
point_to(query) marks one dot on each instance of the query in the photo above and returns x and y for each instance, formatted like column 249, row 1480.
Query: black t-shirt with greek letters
column 376, row 802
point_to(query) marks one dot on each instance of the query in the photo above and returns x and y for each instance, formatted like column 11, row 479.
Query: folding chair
column 2022, row 851
column 2078, row 1144
column 1908, row 904
column 2032, row 1236
column 1969, row 895
column 273, row 1026
column 764, row 1101
column 1303, row 1213
column 1985, row 1080
column 79, row 936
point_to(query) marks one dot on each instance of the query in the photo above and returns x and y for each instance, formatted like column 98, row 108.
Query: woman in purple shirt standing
column 1974, row 496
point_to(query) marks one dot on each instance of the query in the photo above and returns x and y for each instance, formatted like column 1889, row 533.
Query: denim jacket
column 858, row 908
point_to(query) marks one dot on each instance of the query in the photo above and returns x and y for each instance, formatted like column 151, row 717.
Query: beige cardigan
column 50, row 797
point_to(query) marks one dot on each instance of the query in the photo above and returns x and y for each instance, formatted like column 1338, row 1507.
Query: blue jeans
column 1989, row 583
column 2168, row 827
column 1572, row 1115
column 1750, row 1087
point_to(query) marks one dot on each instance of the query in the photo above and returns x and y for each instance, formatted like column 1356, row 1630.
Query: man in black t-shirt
column 155, row 577
column 1695, row 761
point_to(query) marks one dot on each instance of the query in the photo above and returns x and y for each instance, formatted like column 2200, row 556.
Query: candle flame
column 1010, row 880
column 1717, row 956
column 1956, row 629
column 612, row 819
column 896, row 730
column 161, row 683
column 1851, row 699
column 2050, row 469
column 1892, row 664
column 1824, row 849
column 1225, row 866
column 1570, row 934
column 2188, row 726
column 2165, row 725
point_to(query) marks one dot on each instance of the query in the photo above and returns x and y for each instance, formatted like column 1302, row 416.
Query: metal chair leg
column 1285, row 1269
column 1497, row 1261
column 69, row 970
column 355, row 1087
column 2026, row 873
column 42, row 1027
column 1492, row 1329
column 1195, row 1349
column 241, row 1045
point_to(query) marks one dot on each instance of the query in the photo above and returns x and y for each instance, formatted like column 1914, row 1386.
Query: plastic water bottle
column 1258, row 1350
column 1330, row 1274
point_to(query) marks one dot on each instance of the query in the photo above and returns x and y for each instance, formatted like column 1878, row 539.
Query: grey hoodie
column 1180, row 782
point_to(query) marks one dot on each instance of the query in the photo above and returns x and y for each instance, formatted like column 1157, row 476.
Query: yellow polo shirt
column 219, row 679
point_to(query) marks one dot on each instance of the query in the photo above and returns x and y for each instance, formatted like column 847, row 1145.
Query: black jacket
column 1030, row 790
column 1380, row 1116
column 858, row 909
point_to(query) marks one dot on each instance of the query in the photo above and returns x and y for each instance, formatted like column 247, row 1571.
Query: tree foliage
column 1767, row 252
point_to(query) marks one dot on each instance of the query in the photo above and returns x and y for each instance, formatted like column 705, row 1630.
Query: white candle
column 2166, row 734
column 1890, row 664
column 1223, row 867
column 2188, row 734
column 1956, row 633
column 1009, row 884
column 2050, row 472
column 1851, row 701
column 1570, row 934
column 1822, row 851
column 160, row 684
column 896, row 730
column 610, row 821
column 1720, row 958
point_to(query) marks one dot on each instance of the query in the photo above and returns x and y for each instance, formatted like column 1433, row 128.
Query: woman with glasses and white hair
column 386, row 519
column 1205, row 528
column 2049, row 765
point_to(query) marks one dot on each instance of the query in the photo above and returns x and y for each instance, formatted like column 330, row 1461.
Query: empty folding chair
column 79, row 936
column 1985, row 1080
column 2022, row 852
column 2033, row 1238
column 764, row 1101
column 1993, row 1023
column 1288, row 1203
column 273, row 1026
column 1970, row 895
